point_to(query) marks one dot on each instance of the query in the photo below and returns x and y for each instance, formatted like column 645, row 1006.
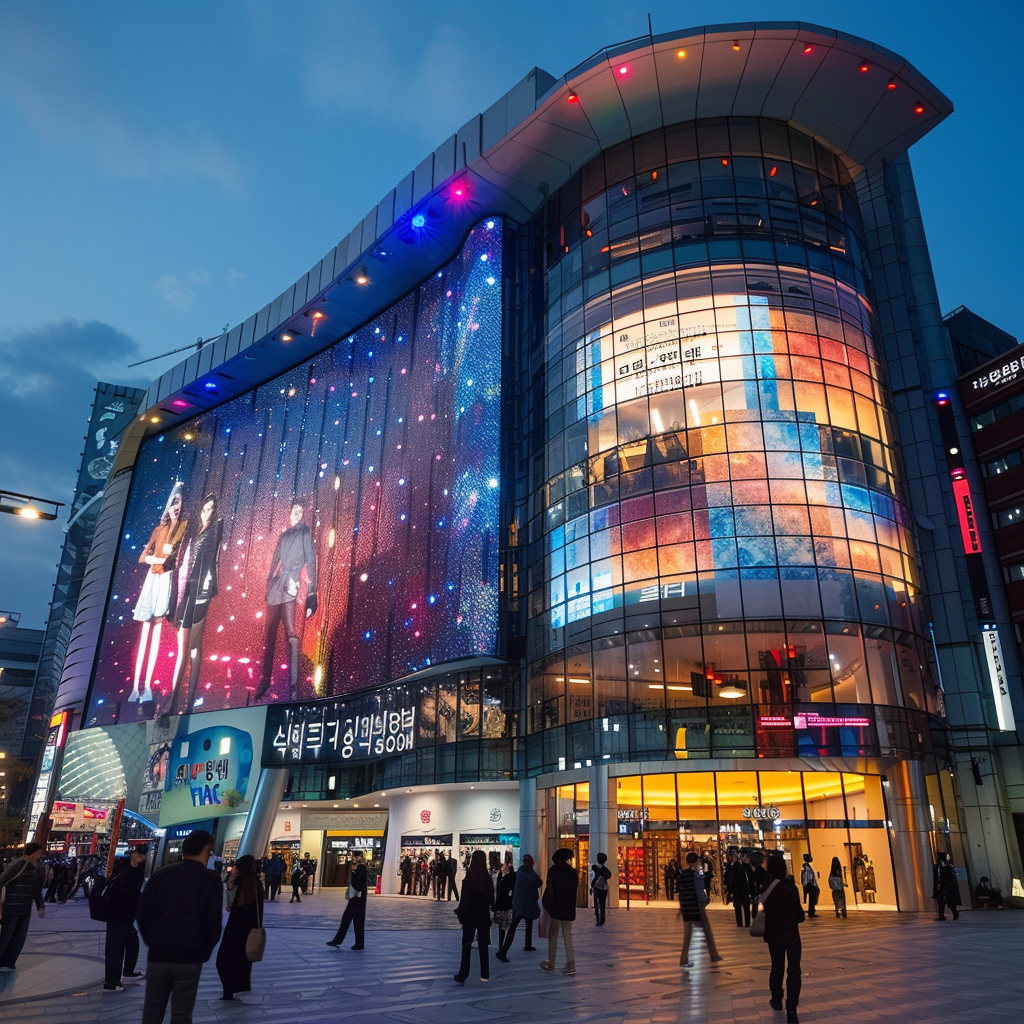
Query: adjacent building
column 591, row 493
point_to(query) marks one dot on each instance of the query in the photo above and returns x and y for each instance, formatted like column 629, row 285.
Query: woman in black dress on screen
column 245, row 912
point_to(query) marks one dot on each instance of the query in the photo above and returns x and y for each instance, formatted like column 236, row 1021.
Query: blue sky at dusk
column 169, row 168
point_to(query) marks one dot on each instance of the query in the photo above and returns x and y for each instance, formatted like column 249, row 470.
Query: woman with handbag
column 245, row 915
column 781, row 921
column 355, row 909
column 474, row 914
column 503, row 902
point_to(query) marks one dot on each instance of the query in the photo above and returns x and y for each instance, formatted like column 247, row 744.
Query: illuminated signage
column 965, row 512
column 997, row 678
column 442, row 839
column 55, row 737
column 632, row 814
column 774, row 722
column 769, row 813
column 812, row 720
column 489, row 839
column 999, row 376
column 76, row 817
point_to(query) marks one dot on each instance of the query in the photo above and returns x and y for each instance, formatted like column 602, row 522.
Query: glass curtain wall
column 717, row 536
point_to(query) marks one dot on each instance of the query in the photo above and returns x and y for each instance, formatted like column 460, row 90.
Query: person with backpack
column 838, row 887
column 692, row 903
column 599, row 886
column 118, row 901
column 22, row 885
column 809, row 882
column 783, row 916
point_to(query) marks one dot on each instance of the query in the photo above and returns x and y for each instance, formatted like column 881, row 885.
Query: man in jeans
column 180, row 919
column 122, row 901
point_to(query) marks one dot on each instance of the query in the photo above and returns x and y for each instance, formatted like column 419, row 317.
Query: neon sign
column 965, row 512
column 997, row 679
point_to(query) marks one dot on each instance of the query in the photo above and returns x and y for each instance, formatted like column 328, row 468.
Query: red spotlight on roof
column 918, row 107
column 773, row 172
column 736, row 44
column 891, row 85
column 725, row 163
column 808, row 48
column 864, row 67
column 572, row 97
column 623, row 70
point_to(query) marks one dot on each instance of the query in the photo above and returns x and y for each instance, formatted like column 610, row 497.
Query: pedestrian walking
column 22, row 885
column 560, row 902
column 599, row 886
column 121, row 901
column 692, row 903
column 838, row 887
column 245, row 912
column 946, row 889
column 759, row 880
column 474, row 914
column 179, row 918
column 355, row 908
column 440, row 875
column 297, row 881
column 405, row 873
column 503, row 896
column 525, row 907
column 809, row 883
column 671, row 878
column 453, row 868
column 783, row 916
column 275, row 875
column 739, row 882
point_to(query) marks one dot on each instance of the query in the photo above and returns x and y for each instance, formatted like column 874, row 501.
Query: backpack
column 99, row 898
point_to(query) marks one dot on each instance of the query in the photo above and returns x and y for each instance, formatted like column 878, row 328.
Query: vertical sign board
column 55, row 737
column 997, row 677
column 965, row 512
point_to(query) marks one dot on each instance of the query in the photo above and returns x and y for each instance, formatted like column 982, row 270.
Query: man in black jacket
column 783, row 916
column 179, row 916
column 355, row 909
column 121, row 898
column 22, row 884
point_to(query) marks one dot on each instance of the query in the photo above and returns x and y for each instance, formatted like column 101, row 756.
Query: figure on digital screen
column 199, row 569
column 157, row 597
column 294, row 551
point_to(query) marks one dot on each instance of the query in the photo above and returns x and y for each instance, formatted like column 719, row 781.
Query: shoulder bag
column 757, row 923
column 256, row 940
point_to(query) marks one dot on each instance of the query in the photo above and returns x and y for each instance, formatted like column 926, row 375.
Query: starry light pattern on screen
column 391, row 437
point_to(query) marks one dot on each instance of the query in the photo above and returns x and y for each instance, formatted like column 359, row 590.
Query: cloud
column 47, row 376
column 233, row 276
column 56, row 97
column 180, row 292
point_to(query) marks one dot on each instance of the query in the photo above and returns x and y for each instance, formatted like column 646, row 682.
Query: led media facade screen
column 334, row 529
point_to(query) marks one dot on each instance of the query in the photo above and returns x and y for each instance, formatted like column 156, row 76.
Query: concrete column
column 529, row 821
column 265, row 803
column 907, row 802
column 604, row 827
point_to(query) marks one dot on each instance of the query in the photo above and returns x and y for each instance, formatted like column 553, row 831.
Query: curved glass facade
column 718, row 544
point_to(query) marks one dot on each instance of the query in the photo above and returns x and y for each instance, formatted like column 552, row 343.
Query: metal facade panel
column 495, row 124
column 469, row 140
column 766, row 56
column 444, row 161
column 386, row 212
column 403, row 196
column 601, row 102
column 720, row 73
column 423, row 179
column 679, row 79
column 638, row 88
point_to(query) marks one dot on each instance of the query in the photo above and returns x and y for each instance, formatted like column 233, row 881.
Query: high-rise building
column 590, row 493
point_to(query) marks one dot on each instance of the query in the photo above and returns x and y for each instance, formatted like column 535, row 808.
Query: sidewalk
column 869, row 968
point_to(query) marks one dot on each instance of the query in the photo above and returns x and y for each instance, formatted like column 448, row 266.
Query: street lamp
column 28, row 506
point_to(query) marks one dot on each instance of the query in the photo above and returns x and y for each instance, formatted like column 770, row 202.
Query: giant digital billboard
column 334, row 529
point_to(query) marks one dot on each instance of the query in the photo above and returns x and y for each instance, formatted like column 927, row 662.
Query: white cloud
column 58, row 100
column 233, row 276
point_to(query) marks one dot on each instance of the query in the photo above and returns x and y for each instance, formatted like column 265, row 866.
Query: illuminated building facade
column 564, row 502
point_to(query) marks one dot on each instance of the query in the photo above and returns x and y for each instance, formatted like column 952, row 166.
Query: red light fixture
column 808, row 48
column 773, row 172
column 572, row 97
column 623, row 70
column 891, row 85
column 918, row 107
column 681, row 54
column 864, row 68
column 725, row 163
column 736, row 44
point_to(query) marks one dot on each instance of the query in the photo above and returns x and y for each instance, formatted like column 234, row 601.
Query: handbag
column 542, row 924
column 351, row 892
column 757, row 923
column 256, row 940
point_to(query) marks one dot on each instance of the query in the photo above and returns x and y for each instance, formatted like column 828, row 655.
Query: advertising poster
column 212, row 766
column 332, row 530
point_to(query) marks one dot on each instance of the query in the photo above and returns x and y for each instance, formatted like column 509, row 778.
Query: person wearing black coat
column 692, row 901
column 405, row 871
column 121, row 898
column 525, row 907
column 783, row 916
column 355, row 909
column 503, row 902
column 559, row 901
column 946, row 889
column 245, row 912
column 474, row 914
column 22, row 885
column 759, row 880
column 739, row 881
column 453, row 868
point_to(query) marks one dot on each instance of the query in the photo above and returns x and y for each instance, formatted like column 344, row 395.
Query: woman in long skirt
column 245, row 898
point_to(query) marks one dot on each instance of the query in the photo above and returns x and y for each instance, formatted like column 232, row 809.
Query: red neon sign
column 965, row 511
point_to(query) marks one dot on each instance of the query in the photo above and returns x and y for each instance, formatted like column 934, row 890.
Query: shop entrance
column 338, row 851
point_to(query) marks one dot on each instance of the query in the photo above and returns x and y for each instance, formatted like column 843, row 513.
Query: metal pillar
column 604, row 836
column 529, row 821
column 260, row 822
column 907, row 802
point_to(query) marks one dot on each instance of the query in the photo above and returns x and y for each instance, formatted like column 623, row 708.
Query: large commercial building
column 588, row 493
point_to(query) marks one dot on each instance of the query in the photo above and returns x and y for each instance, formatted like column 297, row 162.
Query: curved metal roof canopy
column 858, row 99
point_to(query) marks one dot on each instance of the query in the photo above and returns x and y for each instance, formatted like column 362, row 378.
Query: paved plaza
column 871, row 967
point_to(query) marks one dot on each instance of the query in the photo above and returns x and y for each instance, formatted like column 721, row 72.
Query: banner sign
column 997, row 679
column 441, row 839
column 489, row 839
column 75, row 817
